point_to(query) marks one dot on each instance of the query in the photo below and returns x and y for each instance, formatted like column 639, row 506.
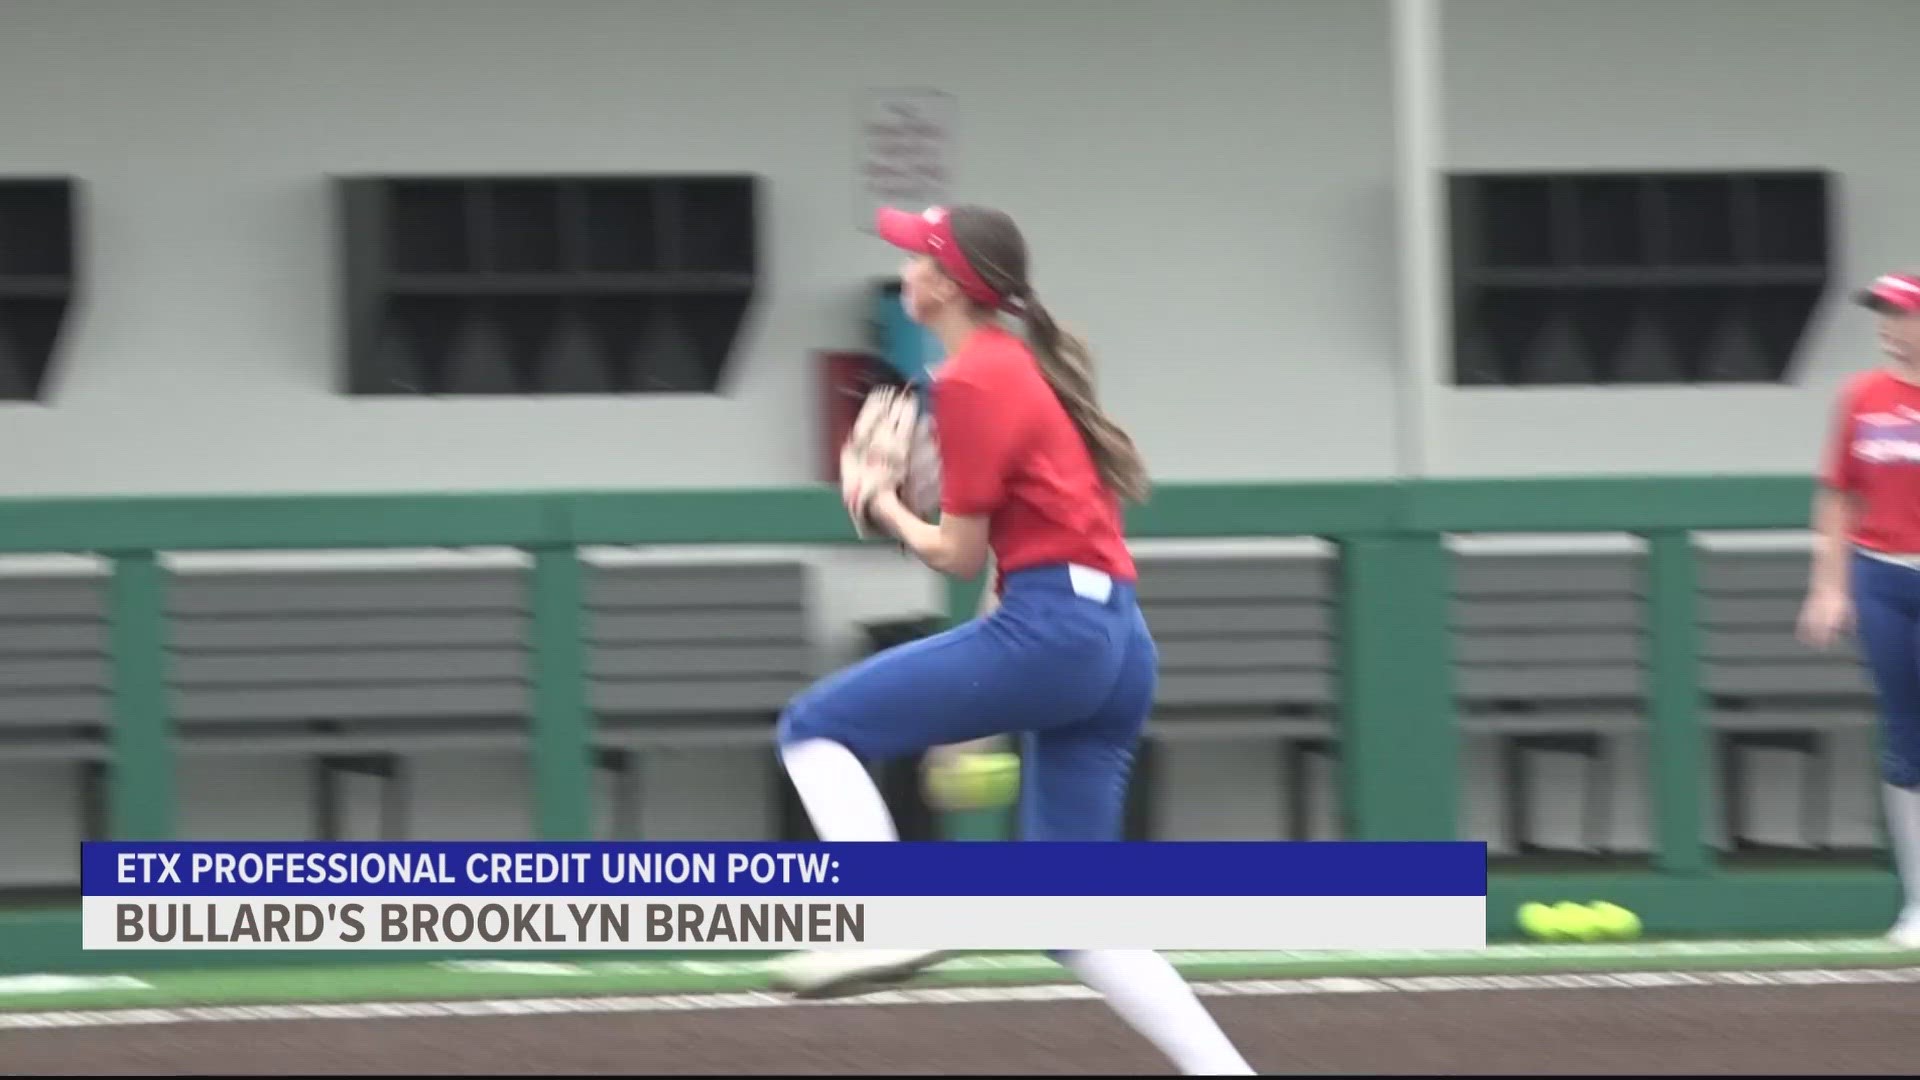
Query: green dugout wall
column 1399, row 756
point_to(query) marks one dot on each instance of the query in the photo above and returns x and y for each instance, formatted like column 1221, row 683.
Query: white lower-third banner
column 577, row 923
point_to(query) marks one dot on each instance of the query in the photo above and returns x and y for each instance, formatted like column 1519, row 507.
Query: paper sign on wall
column 906, row 138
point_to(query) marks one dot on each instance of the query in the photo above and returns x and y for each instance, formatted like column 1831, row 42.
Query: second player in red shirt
column 1866, row 564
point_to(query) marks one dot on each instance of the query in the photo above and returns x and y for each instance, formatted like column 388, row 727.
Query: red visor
column 1892, row 293
column 931, row 233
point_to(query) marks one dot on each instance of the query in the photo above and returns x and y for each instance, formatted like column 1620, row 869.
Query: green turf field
column 638, row 974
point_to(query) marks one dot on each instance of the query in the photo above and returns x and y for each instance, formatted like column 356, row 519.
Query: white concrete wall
column 1686, row 84
column 1207, row 187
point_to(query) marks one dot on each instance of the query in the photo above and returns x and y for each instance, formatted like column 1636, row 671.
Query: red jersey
column 1010, row 453
column 1874, row 455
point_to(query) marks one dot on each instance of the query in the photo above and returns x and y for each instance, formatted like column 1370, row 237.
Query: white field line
column 553, row 1006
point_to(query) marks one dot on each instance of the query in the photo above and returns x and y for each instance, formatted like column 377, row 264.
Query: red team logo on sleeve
column 1880, row 438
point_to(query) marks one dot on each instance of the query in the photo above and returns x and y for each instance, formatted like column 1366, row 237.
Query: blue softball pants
column 1886, row 604
column 1066, row 661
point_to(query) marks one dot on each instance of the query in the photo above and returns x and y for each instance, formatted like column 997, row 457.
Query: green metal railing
column 1399, row 759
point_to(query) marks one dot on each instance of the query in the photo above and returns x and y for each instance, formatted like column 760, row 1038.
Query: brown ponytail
column 1067, row 364
column 997, row 252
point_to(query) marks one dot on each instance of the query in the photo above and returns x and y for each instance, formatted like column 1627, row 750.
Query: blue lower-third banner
column 671, row 896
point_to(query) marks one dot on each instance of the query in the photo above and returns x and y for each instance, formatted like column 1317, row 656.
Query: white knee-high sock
column 1152, row 997
column 1903, row 834
column 842, row 800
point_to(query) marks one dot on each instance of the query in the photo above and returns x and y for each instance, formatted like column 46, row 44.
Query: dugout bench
column 1548, row 646
column 694, row 656
column 329, row 696
column 1246, row 659
column 1768, row 692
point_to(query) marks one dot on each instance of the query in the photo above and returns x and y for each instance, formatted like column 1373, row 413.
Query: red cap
column 1894, row 294
column 931, row 233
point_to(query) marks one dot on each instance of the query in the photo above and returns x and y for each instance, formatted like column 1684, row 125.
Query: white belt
column 1911, row 562
column 1090, row 584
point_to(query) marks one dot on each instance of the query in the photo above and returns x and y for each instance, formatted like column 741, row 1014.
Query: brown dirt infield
column 1738, row 1030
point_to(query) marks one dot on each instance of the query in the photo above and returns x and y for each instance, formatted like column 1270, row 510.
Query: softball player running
column 1032, row 472
column 1866, row 563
